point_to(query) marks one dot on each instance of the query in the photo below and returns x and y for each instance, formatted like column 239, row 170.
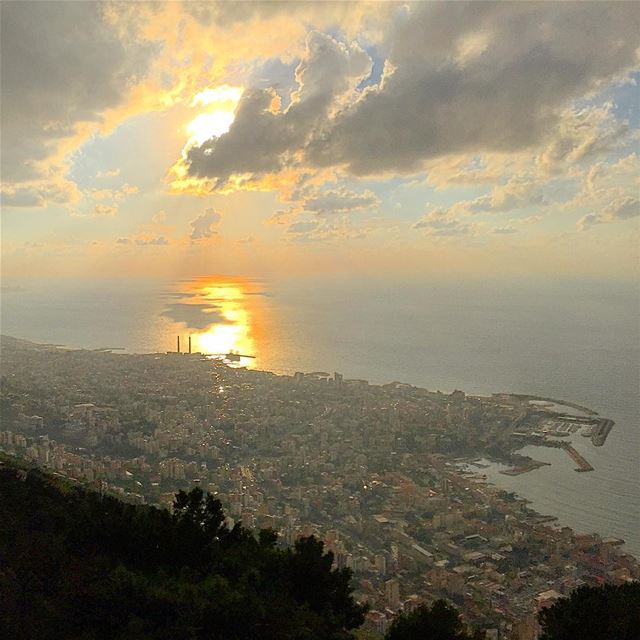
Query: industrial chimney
column 178, row 344
column 189, row 344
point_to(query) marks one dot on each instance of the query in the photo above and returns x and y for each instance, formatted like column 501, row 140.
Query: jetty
column 583, row 465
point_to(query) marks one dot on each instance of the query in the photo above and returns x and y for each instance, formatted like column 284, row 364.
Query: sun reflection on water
column 221, row 314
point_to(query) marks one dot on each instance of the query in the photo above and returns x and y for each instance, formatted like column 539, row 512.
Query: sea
column 571, row 339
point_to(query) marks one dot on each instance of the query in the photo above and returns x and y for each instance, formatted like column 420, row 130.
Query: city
column 388, row 476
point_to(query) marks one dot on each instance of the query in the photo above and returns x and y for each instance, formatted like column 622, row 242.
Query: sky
column 276, row 138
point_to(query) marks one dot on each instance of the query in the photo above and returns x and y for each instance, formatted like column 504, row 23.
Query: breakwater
column 600, row 431
column 583, row 465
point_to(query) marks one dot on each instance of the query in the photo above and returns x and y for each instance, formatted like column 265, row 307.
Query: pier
column 583, row 465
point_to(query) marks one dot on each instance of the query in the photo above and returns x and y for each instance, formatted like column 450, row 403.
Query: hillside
column 76, row 564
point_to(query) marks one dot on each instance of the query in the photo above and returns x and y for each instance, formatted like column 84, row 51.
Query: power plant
column 178, row 345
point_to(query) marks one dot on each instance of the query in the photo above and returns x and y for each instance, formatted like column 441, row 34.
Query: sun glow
column 233, row 308
column 217, row 120
column 222, row 94
column 220, row 339
column 209, row 125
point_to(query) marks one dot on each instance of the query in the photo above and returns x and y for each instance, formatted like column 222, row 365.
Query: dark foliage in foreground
column 75, row 564
column 595, row 613
column 439, row 622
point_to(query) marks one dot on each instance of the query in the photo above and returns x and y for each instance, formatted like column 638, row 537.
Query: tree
column 594, row 613
column 440, row 622
column 127, row 571
column 325, row 591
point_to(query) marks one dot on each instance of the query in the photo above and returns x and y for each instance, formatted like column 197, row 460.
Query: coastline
column 526, row 469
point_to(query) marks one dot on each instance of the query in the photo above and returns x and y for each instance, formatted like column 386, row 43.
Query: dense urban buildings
column 388, row 476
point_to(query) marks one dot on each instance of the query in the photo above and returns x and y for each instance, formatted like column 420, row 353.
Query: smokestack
column 189, row 344
column 178, row 344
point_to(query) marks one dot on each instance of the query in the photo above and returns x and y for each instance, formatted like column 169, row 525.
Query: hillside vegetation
column 77, row 564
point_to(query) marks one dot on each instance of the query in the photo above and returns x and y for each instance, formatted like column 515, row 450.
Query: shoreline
column 496, row 395
column 519, row 469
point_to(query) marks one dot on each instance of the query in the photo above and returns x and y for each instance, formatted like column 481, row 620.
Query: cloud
column 227, row 13
column 463, row 78
column 443, row 222
column 113, row 194
column 105, row 209
column 312, row 200
column 302, row 227
column 39, row 195
column 528, row 220
column 327, row 228
column 127, row 189
column 338, row 201
column 467, row 169
column 159, row 241
column 203, row 226
column 21, row 197
column 586, row 222
column 504, row 96
column 609, row 192
column 519, row 191
column 582, row 134
column 62, row 66
column 579, row 135
column 504, row 230
column 623, row 208
column 144, row 240
column 263, row 138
